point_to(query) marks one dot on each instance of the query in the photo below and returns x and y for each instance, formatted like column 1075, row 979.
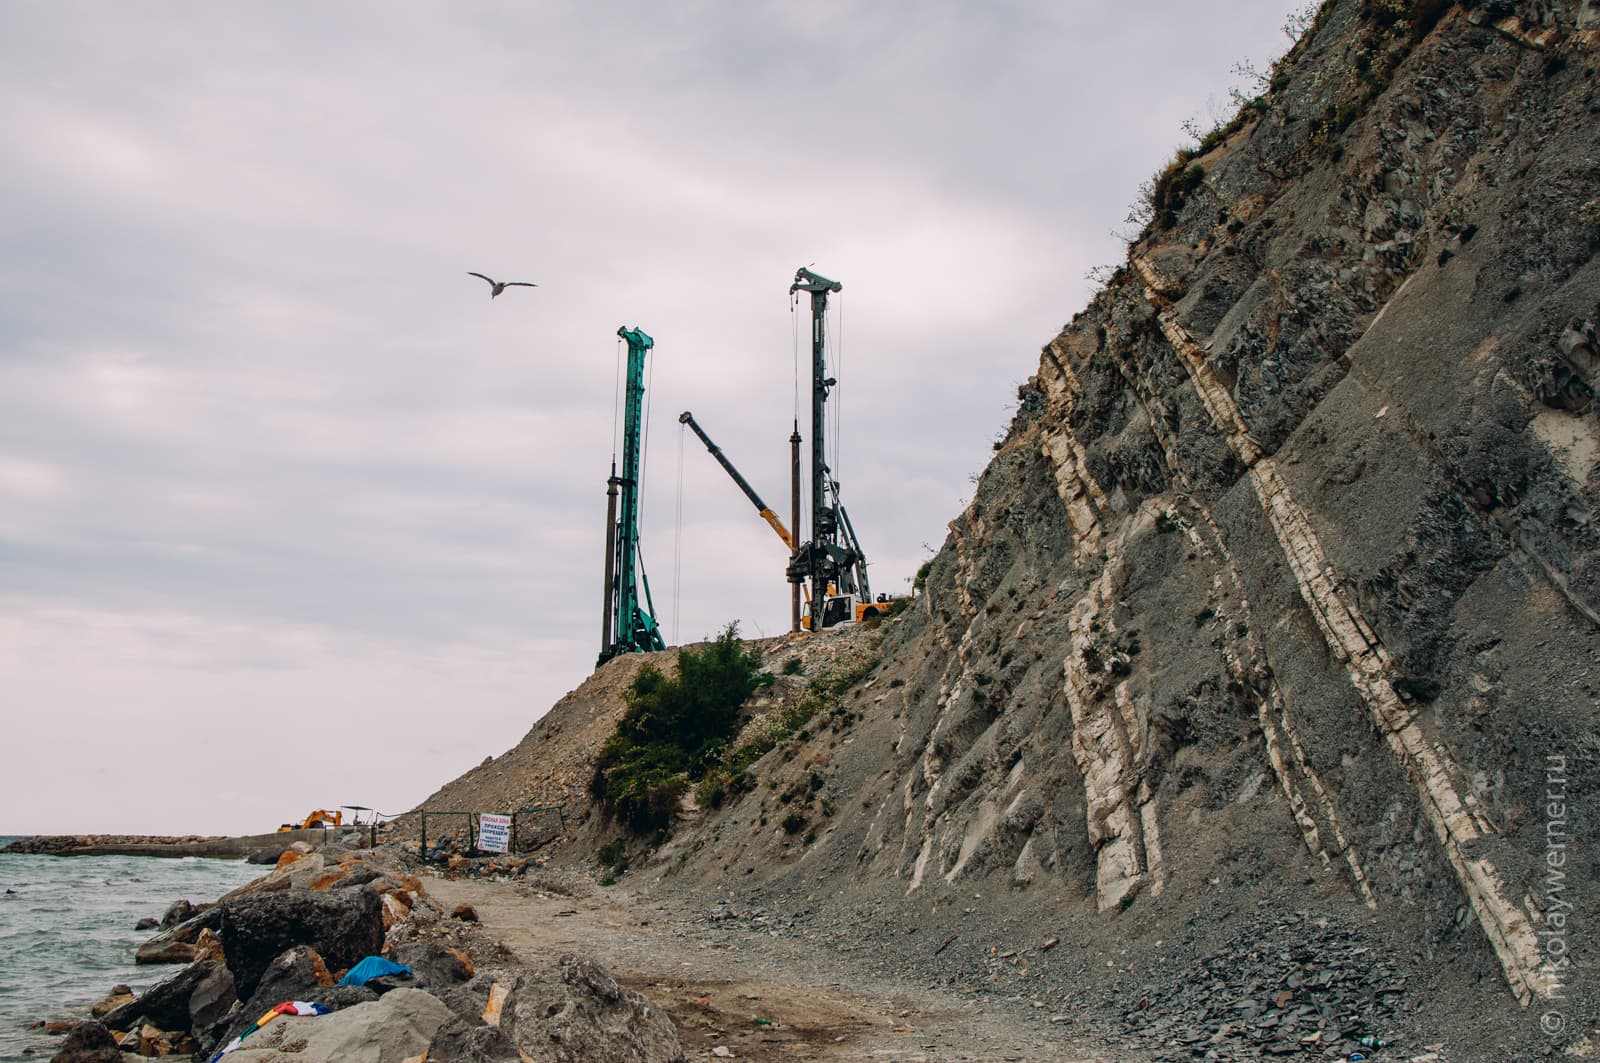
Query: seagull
column 496, row 287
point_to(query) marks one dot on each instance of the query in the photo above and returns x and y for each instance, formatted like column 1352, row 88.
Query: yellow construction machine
column 320, row 817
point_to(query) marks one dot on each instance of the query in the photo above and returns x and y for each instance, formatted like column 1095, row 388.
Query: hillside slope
column 1264, row 660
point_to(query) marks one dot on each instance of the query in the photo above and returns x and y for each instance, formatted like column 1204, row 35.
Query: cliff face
column 1282, row 591
column 1286, row 577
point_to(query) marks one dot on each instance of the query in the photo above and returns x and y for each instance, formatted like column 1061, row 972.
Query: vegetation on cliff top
column 674, row 728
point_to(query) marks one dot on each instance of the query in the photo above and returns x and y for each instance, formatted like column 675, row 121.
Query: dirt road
column 761, row 997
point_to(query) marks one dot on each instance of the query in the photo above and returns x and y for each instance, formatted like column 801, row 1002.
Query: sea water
column 67, row 932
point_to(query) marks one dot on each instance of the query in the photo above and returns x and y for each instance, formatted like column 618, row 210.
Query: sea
column 67, row 932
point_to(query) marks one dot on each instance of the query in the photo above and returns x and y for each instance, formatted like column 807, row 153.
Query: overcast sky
column 292, row 515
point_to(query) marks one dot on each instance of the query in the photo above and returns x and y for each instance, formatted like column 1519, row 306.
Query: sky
column 293, row 515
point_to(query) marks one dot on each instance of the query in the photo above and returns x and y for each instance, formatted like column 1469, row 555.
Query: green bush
column 674, row 728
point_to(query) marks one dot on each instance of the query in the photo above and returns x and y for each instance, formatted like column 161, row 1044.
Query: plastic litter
column 288, row 1007
column 370, row 968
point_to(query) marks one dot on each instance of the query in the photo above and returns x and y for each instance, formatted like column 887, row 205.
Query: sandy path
column 762, row 998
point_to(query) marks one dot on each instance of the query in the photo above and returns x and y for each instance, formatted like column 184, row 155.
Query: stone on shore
column 344, row 926
column 396, row 1027
column 178, row 912
column 574, row 1012
column 119, row 995
column 435, row 966
column 165, row 1004
column 88, row 1042
column 175, row 944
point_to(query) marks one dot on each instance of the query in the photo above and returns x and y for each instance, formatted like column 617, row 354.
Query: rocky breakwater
column 294, row 935
column 104, row 844
column 180, row 845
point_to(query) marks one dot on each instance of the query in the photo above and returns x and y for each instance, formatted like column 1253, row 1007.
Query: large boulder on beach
column 296, row 974
column 344, row 926
column 574, row 1012
column 164, row 1005
column 88, row 1042
column 180, row 911
column 266, row 855
column 176, row 944
column 212, row 1004
column 396, row 1027
column 435, row 966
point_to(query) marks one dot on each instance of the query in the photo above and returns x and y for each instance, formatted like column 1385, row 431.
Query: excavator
column 320, row 817
column 840, row 611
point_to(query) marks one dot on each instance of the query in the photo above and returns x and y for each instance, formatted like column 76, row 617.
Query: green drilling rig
column 629, row 624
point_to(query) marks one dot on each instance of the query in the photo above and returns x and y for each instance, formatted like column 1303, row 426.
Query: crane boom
column 744, row 485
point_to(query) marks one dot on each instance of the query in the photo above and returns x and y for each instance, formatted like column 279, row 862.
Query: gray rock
column 159, row 949
column 212, row 1004
column 399, row 1026
column 164, row 1005
column 344, row 927
column 177, row 912
column 88, row 1042
column 462, row 1041
column 435, row 966
column 268, row 855
column 577, row 1013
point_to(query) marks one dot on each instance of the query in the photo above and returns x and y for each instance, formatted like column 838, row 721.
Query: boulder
column 343, row 926
column 584, row 1015
column 398, row 1027
column 394, row 909
column 464, row 912
column 159, row 948
column 147, row 923
column 574, row 1012
column 306, row 870
column 118, row 996
column 164, row 1005
column 212, row 1004
column 359, row 877
column 435, row 966
column 88, row 1042
column 166, row 952
column 157, row 1042
column 268, row 855
column 178, row 912
column 462, row 1041
column 208, row 946
column 295, row 974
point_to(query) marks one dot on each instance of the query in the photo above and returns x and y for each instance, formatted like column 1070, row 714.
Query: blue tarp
column 370, row 968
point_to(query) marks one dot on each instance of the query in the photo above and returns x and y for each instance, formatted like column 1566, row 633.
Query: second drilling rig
column 629, row 625
column 831, row 561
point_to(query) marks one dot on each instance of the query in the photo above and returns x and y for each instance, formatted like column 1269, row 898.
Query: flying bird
column 496, row 287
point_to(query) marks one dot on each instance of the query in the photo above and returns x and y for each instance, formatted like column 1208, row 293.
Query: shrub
column 674, row 727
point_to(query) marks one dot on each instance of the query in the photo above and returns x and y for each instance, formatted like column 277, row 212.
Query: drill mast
column 832, row 560
column 629, row 626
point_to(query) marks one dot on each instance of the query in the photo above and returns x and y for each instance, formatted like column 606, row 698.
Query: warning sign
column 494, row 832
